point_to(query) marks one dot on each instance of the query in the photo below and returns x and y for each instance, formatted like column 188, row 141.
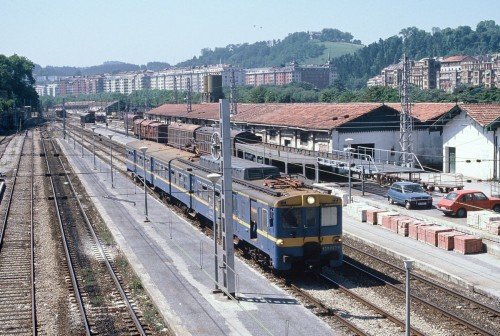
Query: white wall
column 427, row 146
column 472, row 143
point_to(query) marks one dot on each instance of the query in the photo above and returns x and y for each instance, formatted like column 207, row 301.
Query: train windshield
column 292, row 218
column 328, row 216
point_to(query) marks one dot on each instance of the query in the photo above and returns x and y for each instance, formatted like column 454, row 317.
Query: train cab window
column 328, row 216
column 310, row 217
column 292, row 218
column 265, row 220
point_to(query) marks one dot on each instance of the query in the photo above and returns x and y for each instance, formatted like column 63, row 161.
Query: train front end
column 308, row 232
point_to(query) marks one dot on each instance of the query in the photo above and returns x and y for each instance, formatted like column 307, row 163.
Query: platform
column 477, row 272
column 175, row 263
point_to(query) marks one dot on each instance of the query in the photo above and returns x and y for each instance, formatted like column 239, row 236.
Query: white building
column 177, row 78
column 470, row 141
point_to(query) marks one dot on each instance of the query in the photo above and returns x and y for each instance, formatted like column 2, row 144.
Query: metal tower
column 406, row 121
column 233, row 99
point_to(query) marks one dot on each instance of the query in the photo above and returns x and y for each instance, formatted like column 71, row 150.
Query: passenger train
column 286, row 224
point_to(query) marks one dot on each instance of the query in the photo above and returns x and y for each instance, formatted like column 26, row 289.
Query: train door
column 254, row 218
column 312, row 227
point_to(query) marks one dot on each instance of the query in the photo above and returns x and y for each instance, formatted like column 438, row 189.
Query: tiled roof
column 484, row 114
column 426, row 111
column 457, row 58
column 305, row 116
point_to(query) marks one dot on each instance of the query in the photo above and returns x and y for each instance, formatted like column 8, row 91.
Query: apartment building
column 320, row 76
column 178, row 78
column 450, row 73
column 423, row 73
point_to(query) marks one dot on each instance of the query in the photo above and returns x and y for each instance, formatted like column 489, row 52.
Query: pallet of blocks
column 359, row 211
column 467, row 244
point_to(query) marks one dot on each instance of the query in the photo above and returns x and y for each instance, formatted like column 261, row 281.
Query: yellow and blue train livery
column 287, row 225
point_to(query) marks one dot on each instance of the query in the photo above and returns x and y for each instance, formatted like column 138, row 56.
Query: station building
column 470, row 140
column 325, row 127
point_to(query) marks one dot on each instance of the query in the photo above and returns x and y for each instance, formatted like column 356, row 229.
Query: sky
column 90, row 32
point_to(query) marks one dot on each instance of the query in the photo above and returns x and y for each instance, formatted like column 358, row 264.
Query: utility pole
column 175, row 90
column 233, row 99
column 405, row 120
column 64, row 120
column 227, row 200
column 188, row 96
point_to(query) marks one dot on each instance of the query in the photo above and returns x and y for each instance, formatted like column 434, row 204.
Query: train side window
column 235, row 205
column 292, row 218
column 310, row 217
column 205, row 194
column 265, row 220
column 329, row 216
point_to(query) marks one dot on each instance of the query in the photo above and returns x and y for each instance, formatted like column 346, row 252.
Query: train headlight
column 311, row 200
column 280, row 242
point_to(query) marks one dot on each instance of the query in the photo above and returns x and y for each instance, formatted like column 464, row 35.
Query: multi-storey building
column 423, row 73
column 392, row 75
column 450, row 73
column 320, row 76
column 177, row 78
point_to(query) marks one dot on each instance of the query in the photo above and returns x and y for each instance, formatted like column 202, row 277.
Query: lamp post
column 143, row 150
column 111, row 156
column 93, row 144
column 349, row 140
column 82, row 140
column 214, row 178
column 408, row 267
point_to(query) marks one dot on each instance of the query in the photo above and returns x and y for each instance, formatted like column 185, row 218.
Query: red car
column 460, row 201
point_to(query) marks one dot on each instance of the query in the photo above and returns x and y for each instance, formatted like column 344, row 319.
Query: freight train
column 193, row 138
column 276, row 219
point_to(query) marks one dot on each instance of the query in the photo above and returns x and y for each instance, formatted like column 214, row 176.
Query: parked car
column 460, row 201
column 409, row 194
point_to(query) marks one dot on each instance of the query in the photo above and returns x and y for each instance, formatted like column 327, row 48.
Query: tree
column 16, row 82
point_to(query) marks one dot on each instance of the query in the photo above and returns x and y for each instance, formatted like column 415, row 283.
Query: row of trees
column 293, row 93
column 16, row 82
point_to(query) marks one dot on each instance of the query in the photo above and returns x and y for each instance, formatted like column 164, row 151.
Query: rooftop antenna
column 406, row 121
column 233, row 98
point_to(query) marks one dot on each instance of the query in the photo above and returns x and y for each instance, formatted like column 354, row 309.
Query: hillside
column 333, row 49
column 106, row 67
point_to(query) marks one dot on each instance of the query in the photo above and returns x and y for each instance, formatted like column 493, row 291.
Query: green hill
column 333, row 49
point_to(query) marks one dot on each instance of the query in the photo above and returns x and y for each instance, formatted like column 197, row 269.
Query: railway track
column 103, row 302
column 17, row 268
column 477, row 317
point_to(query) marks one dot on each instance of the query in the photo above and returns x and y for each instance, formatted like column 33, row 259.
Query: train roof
column 254, row 188
column 182, row 126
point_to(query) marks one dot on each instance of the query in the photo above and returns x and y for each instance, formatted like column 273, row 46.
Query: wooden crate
column 467, row 244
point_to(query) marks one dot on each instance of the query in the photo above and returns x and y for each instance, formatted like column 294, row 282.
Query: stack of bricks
column 446, row 240
column 421, row 231
column 385, row 219
column 413, row 228
column 431, row 234
column 494, row 228
column 372, row 216
column 467, row 244
column 403, row 226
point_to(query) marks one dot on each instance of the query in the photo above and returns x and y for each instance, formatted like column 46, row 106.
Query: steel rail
column 424, row 302
column 66, row 250
column 32, row 237
column 373, row 307
column 328, row 311
column 131, row 311
column 491, row 310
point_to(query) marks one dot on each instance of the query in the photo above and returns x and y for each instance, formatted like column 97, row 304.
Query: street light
column 82, row 141
column 349, row 140
column 111, row 156
column 408, row 267
column 214, row 178
column 93, row 144
column 143, row 150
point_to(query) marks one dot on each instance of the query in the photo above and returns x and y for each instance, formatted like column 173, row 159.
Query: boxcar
column 158, row 132
column 203, row 138
column 182, row 135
